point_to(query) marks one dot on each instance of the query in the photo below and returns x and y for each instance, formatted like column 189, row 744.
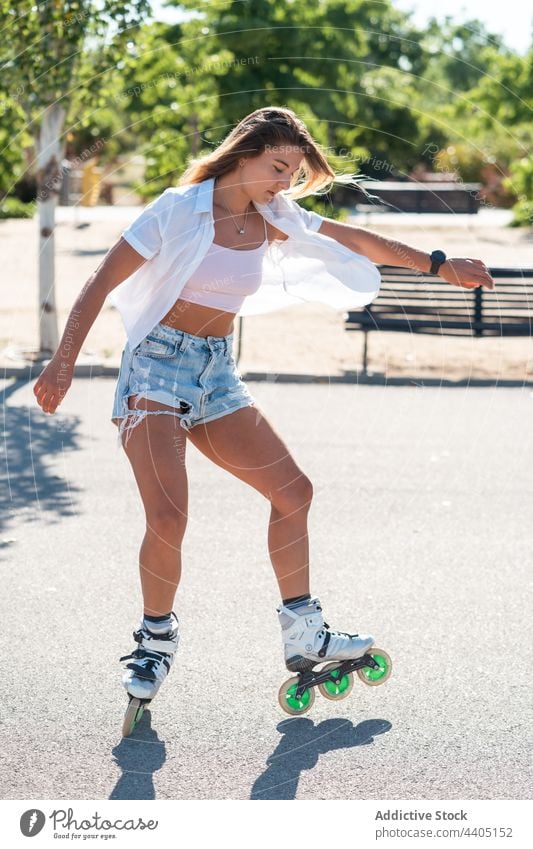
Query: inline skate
column 151, row 664
column 309, row 641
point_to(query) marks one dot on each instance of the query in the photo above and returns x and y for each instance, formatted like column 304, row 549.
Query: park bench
column 413, row 302
column 414, row 196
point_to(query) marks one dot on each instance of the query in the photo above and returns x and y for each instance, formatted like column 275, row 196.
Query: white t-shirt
column 174, row 233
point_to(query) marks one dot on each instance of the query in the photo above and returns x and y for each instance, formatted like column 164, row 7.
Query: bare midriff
column 199, row 320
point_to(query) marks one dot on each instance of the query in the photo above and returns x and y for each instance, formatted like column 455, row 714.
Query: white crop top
column 226, row 276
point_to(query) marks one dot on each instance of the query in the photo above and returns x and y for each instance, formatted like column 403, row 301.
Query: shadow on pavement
column 139, row 756
column 300, row 746
column 31, row 448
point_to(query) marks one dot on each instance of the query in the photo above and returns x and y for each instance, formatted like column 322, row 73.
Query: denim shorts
column 195, row 375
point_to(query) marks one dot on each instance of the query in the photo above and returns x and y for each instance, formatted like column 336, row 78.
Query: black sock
column 157, row 618
column 297, row 598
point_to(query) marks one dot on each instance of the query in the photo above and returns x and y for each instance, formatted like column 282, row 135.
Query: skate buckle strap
column 327, row 638
column 142, row 652
column 138, row 654
column 322, row 651
column 151, row 659
column 156, row 642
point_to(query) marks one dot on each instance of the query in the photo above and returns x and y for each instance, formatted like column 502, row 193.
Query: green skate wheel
column 340, row 687
column 288, row 701
column 373, row 677
column 134, row 711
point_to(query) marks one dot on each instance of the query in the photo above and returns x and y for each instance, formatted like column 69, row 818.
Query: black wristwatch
column 437, row 258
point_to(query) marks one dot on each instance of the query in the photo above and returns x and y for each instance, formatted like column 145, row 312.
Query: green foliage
column 316, row 57
column 168, row 95
column 59, row 53
column 45, row 44
column 462, row 54
column 335, row 62
column 15, row 208
column 503, row 96
column 377, row 93
column 520, row 181
column 14, row 139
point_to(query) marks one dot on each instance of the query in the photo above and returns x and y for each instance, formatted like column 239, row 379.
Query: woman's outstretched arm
column 459, row 271
column 55, row 379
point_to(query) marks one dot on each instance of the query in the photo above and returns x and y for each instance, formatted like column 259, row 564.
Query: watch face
column 438, row 256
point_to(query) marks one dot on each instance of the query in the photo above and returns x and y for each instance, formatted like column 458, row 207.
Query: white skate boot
column 308, row 640
column 151, row 664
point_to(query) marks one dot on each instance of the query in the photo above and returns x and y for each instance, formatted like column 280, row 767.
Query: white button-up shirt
column 175, row 231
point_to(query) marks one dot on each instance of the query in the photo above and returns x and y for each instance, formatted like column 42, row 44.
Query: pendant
column 241, row 232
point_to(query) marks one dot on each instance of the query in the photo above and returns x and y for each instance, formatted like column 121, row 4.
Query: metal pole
column 240, row 338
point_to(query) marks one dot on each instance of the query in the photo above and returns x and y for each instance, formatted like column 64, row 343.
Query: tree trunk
column 49, row 158
column 194, row 138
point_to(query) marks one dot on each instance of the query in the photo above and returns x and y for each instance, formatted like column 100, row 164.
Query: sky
column 513, row 19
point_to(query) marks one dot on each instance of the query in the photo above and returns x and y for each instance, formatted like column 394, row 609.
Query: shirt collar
column 204, row 196
column 204, row 202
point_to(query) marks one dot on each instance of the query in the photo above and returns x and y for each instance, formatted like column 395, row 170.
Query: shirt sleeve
column 311, row 220
column 145, row 232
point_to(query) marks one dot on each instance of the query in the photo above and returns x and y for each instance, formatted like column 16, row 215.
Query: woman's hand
column 466, row 273
column 52, row 385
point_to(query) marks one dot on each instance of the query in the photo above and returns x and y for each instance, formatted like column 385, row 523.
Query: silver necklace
column 239, row 229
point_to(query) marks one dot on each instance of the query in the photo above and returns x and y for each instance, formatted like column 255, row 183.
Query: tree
column 461, row 53
column 56, row 56
column 322, row 58
column 169, row 94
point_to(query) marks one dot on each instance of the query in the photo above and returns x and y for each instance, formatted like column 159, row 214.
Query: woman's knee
column 292, row 497
column 167, row 524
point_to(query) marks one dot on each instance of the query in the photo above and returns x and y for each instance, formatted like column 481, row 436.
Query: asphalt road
column 420, row 533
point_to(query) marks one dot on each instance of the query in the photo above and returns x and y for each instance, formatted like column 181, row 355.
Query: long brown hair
column 252, row 135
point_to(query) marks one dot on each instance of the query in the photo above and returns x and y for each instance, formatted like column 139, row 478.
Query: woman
column 229, row 239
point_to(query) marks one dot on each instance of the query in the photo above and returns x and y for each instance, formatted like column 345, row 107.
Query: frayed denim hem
column 133, row 417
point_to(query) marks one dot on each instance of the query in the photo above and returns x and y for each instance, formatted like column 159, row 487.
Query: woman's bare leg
column 245, row 444
column 156, row 451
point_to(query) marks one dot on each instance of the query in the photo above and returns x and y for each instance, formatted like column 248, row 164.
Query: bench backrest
column 415, row 302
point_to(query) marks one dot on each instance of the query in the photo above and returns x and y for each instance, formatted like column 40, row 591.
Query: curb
column 378, row 379
column 31, row 372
